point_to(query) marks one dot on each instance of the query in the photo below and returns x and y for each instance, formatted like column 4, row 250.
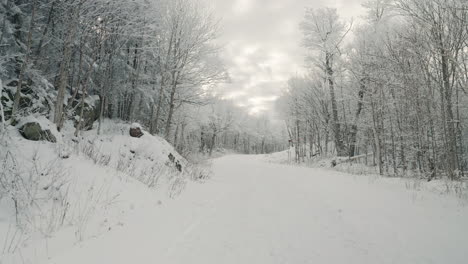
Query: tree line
column 392, row 89
column 151, row 62
column 142, row 59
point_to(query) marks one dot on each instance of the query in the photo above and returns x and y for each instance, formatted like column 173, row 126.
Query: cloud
column 263, row 46
column 242, row 6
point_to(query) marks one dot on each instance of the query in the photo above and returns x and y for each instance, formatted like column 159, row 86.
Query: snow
column 93, row 181
column 257, row 212
column 135, row 125
column 415, row 182
column 91, row 100
column 250, row 211
column 43, row 122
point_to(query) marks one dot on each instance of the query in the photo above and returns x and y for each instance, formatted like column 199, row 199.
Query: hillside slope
column 54, row 195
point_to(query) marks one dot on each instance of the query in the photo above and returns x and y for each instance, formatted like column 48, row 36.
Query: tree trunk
column 46, row 28
column 339, row 145
column 354, row 127
column 175, row 77
column 24, row 66
column 376, row 136
column 176, row 135
column 159, row 106
column 202, row 141
column 2, row 113
column 452, row 158
column 78, row 126
column 63, row 72
column 213, row 138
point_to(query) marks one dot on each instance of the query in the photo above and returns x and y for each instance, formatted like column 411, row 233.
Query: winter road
column 257, row 212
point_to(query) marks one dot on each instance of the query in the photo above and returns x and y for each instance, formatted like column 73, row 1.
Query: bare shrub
column 90, row 150
column 38, row 192
column 414, row 184
column 12, row 239
column 457, row 188
column 198, row 172
column 86, row 206
column 176, row 186
column 150, row 176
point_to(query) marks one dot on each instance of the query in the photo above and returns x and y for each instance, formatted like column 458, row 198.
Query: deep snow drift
column 257, row 212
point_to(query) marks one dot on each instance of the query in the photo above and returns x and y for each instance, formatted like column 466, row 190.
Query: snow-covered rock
column 135, row 130
column 37, row 129
column 78, row 188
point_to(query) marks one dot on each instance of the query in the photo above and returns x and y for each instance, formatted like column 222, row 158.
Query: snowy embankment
column 56, row 195
column 458, row 189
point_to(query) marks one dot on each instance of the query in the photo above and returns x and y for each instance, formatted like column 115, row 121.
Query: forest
column 389, row 92
column 156, row 63
column 233, row 131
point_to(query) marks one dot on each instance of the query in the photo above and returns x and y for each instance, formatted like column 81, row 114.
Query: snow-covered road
column 257, row 212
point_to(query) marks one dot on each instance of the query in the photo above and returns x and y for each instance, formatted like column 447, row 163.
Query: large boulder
column 136, row 131
column 34, row 131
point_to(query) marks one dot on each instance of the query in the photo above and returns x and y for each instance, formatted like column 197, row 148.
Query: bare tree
column 324, row 33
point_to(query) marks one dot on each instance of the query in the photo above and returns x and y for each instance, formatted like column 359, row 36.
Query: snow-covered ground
column 252, row 211
column 411, row 181
column 69, row 192
column 117, row 199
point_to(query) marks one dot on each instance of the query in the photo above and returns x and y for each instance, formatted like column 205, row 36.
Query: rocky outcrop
column 32, row 100
column 34, row 131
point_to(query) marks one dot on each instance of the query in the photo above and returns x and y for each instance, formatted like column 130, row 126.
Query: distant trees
column 221, row 125
column 400, row 87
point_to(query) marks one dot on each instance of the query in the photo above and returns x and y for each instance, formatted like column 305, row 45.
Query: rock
column 25, row 102
column 171, row 157
column 33, row 131
column 7, row 101
column 135, row 131
column 178, row 166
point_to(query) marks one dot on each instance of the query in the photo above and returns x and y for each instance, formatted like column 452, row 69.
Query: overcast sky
column 262, row 45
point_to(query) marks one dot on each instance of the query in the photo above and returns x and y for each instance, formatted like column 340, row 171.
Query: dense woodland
column 390, row 91
column 152, row 62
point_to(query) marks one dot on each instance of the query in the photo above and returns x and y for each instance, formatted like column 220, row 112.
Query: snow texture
column 79, row 188
column 253, row 211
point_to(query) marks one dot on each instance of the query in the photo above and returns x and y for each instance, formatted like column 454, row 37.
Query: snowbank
column 53, row 196
column 458, row 189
